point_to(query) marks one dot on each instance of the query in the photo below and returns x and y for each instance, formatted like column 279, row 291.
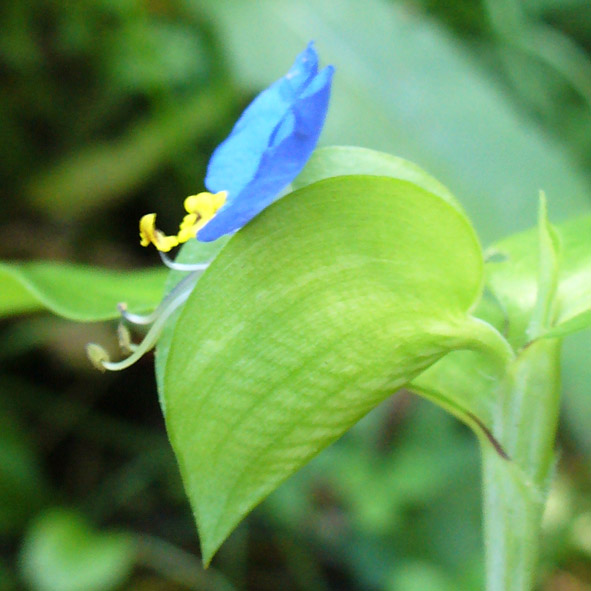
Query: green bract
column 331, row 300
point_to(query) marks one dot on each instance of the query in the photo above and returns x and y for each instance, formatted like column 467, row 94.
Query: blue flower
column 267, row 148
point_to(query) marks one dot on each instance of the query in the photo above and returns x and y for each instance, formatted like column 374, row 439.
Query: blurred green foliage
column 110, row 109
column 61, row 553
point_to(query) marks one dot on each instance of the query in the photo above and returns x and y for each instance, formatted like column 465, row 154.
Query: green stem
column 515, row 489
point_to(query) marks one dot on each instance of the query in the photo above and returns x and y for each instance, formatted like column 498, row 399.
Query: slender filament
column 177, row 296
column 185, row 283
column 182, row 266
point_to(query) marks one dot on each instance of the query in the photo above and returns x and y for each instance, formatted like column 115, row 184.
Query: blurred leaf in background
column 111, row 108
column 22, row 485
column 61, row 553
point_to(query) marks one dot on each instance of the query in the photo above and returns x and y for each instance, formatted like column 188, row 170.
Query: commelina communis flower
column 267, row 148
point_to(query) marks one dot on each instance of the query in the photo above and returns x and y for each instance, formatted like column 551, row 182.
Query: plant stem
column 515, row 490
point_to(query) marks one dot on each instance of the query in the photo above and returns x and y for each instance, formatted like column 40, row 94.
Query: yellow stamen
column 188, row 228
column 149, row 234
column 201, row 208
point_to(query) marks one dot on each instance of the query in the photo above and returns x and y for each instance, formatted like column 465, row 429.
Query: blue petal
column 235, row 161
column 290, row 144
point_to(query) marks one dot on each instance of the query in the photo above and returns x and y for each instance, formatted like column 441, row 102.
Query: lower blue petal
column 235, row 161
column 280, row 163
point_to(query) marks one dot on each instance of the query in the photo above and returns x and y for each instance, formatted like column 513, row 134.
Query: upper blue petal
column 288, row 146
column 235, row 161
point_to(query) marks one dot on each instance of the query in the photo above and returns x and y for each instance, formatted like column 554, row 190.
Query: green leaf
column 325, row 304
column 461, row 383
column 346, row 160
column 62, row 553
column 513, row 280
column 468, row 376
column 548, row 267
column 77, row 292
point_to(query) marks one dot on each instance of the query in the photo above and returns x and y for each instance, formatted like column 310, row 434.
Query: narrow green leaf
column 325, row 304
column 548, row 267
column 514, row 280
column 577, row 323
column 75, row 291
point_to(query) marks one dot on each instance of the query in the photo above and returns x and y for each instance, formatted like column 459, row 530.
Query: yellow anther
column 200, row 209
column 205, row 204
column 150, row 235
column 188, row 228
